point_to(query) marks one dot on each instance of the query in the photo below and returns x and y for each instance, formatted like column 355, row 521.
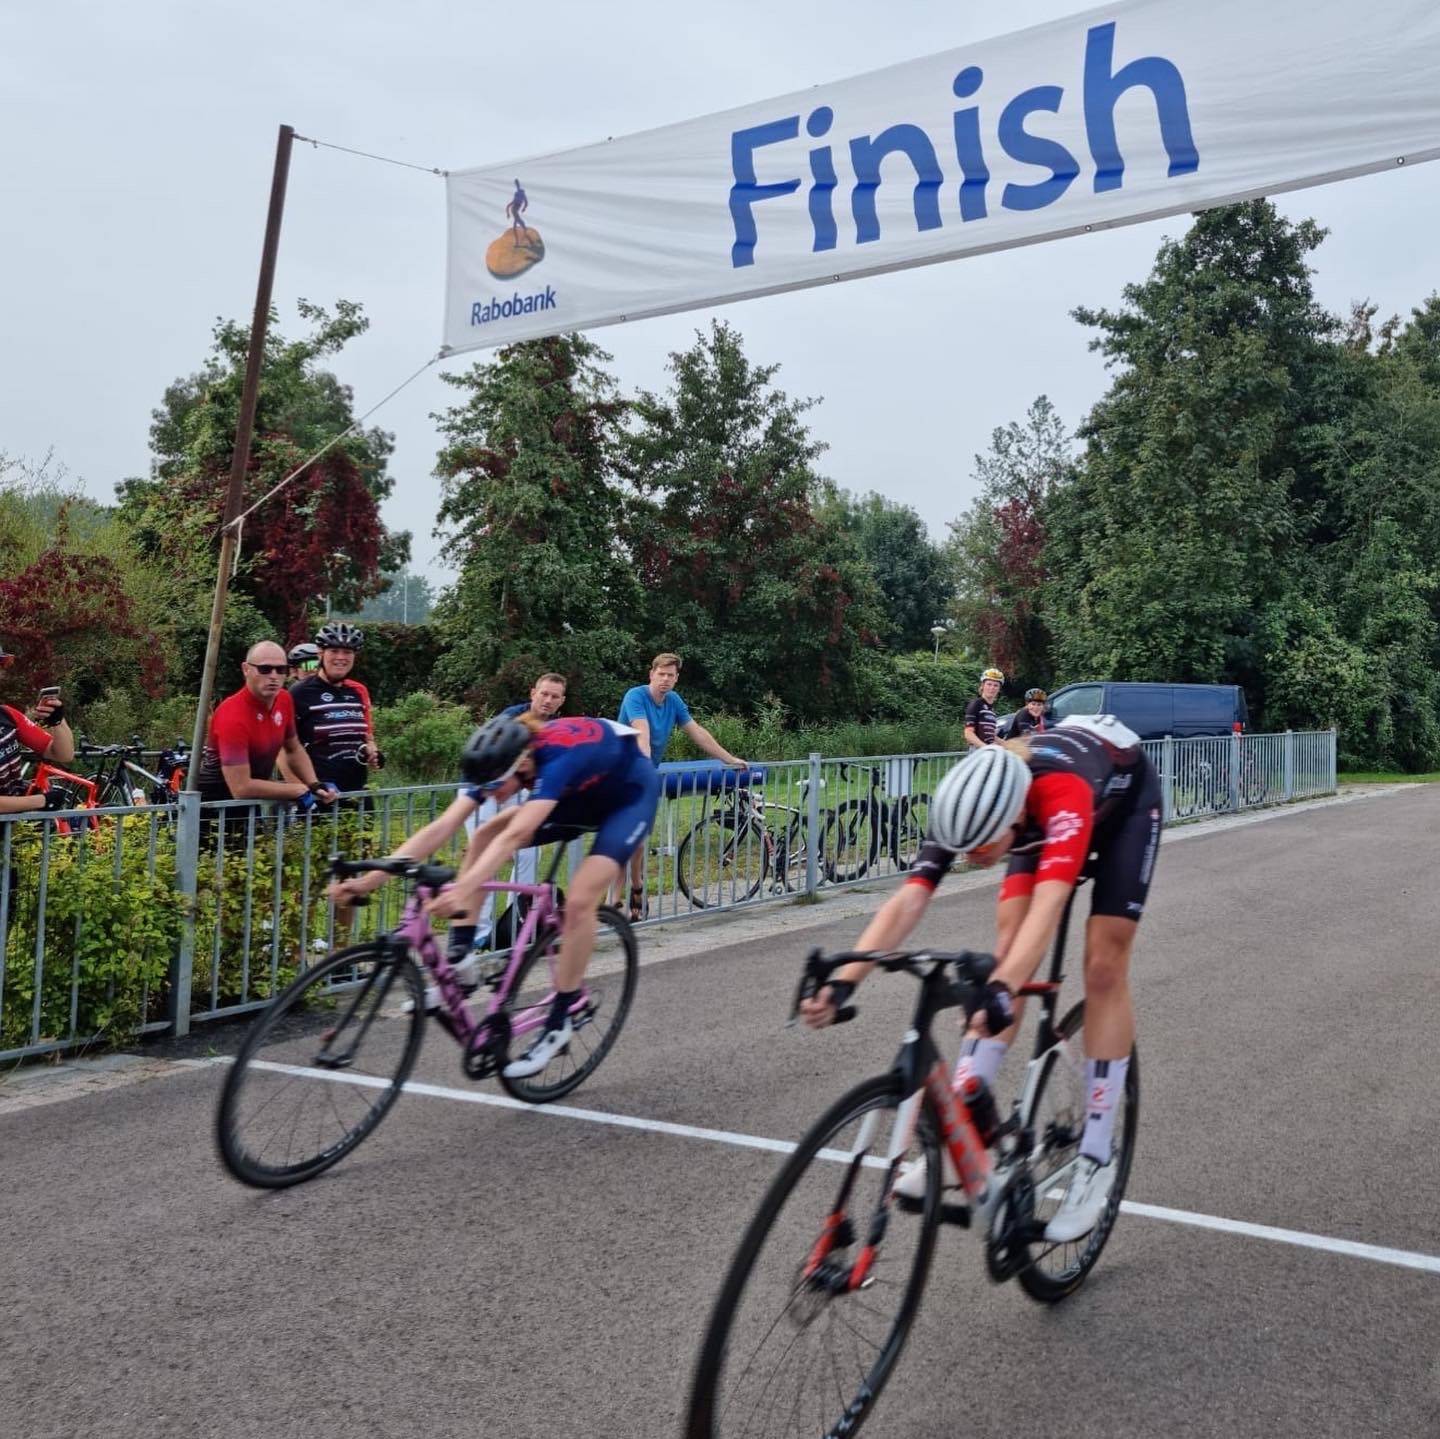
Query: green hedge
column 116, row 930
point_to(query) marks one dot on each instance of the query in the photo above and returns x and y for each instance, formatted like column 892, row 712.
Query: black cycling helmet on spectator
column 304, row 654
column 494, row 750
column 339, row 635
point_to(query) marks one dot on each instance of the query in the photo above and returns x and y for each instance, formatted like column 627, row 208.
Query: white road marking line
column 1429, row 1263
column 1376, row 1253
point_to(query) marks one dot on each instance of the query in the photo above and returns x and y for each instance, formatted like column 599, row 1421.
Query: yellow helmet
column 993, row 674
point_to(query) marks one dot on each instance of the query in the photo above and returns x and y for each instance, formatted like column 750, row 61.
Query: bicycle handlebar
column 432, row 876
column 972, row 969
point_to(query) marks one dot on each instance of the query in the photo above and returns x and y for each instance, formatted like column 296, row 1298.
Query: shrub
column 422, row 737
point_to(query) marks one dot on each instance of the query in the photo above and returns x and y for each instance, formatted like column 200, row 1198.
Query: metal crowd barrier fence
column 123, row 921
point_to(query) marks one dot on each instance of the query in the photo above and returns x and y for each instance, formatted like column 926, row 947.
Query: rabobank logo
column 482, row 312
column 520, row 248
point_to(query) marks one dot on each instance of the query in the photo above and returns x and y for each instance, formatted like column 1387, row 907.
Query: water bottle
column 984, row 1114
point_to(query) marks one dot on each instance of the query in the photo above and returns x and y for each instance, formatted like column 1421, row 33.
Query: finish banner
column 1126, row 113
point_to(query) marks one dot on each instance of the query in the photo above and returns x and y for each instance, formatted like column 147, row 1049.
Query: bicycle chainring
column 1012, row 1227
column 489, row 1048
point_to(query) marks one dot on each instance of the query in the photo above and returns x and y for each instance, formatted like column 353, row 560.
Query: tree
column 321, row 538
column 75, row 610
column 531, row 512
column 407, row 599
column 740, row 573
column 911, row 572
column 997, row 549
column 1184, row 529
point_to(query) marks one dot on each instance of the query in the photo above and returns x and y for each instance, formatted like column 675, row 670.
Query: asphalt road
column 474, row 1270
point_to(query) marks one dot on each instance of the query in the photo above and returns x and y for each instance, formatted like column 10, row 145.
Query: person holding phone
column 45, row 732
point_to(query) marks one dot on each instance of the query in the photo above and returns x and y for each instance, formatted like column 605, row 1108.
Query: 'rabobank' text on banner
column 1140, row 109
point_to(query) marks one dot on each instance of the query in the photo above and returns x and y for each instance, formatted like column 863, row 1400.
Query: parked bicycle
column 867, row 827
column 71, row 792
column 121, row 778
column 324, row 1063
column 743, row 842
column 1202, row 785
column 820, row 1296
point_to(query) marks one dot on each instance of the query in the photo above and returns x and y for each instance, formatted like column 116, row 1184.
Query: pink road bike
column 324, row 1063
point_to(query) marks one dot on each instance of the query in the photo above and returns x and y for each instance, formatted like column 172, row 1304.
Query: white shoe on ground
column 550, row 1043
column 1084, row 1201
column 467, row 974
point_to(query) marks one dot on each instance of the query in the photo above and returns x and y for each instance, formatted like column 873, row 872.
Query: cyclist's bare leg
column 588, row 887
column 1109, row 1011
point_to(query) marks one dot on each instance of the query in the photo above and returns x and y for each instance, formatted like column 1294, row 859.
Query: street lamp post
column 937, row 629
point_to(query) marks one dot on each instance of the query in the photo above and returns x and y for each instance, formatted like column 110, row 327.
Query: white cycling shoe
column 909, row 1190
column 550, row 1043
column 467, row 974
column 1084, row 1202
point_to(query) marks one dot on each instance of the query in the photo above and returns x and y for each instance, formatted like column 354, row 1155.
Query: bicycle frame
column 923, row 1072
column 455, row 1014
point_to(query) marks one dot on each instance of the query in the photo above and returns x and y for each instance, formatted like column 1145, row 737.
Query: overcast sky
column 138, row 140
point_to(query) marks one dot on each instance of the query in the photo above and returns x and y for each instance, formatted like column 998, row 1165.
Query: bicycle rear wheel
column 795, row 1345
column 300, row 1094
column 852, row 840
column 1058, row 1118
column 606, row 997
column 722, row 861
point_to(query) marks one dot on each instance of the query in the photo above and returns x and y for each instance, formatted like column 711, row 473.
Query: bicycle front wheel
column 723, row 862
column 1057, row 1118
column 605, row 1000
column 321, row 1066
column 816, row 1309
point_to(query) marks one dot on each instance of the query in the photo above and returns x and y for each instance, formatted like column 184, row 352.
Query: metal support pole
column 1234, row 771
column 1289, row 763
column 187, row 866
column 240, row 457
column 812, row 826
column 1167, row 778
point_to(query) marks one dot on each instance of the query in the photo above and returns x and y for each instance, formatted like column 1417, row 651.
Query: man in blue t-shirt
column 547, row 698
column 655, row 712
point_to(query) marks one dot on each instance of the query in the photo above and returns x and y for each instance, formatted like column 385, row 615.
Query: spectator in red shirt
column 50, row 738
column 249, row 731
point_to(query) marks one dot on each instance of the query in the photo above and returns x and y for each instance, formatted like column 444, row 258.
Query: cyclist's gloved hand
column 304, row 803
column 58, row 799
column 997, row 1004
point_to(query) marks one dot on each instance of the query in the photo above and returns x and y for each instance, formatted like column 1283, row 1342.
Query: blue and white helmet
column 979, row 799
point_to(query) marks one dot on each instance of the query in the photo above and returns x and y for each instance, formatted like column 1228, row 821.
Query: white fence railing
column 119, row 921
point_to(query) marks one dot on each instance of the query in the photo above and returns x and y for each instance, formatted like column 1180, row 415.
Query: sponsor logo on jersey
column 1063, row 825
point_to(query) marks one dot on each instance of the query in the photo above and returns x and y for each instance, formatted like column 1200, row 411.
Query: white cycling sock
column 1104, row 1081
column 982, row 1058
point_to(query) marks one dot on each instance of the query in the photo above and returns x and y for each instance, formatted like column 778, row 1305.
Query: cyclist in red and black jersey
column 47, row 735
column 1049, row 802
column 332, row 711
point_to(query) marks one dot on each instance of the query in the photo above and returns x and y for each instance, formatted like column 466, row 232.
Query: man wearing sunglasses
column 248, row 733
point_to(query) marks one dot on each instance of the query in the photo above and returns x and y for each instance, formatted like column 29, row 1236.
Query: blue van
column 1155, row 710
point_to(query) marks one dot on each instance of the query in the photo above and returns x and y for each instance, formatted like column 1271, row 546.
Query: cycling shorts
column 1124, row 849
column 622, row 829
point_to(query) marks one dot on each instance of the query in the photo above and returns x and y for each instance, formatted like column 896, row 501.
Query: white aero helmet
column 979, row 799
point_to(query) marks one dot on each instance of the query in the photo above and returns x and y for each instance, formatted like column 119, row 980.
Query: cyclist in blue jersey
column 581, row 773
